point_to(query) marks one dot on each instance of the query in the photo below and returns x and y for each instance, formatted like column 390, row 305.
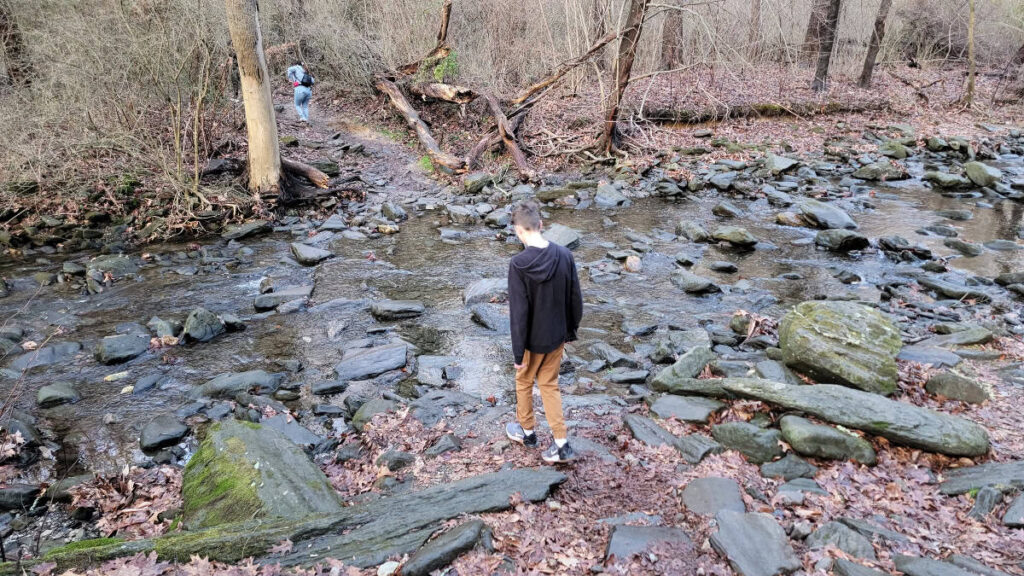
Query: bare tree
column 623, row 68
column 815, row 28
column 671, row 40
column 599, row 27
column 261, row 125
column 971, row 61
column 828, row 41
column 754, row 31
column 876, row 42
column 19, row 70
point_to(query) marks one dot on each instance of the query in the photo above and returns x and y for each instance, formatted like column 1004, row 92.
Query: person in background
column 303, row 83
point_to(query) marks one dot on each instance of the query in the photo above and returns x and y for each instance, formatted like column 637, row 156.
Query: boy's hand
column 518, row 366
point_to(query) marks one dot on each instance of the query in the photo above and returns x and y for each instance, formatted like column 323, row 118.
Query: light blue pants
column 303, row 94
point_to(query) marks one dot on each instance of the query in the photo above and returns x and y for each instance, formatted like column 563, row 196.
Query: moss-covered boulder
column 842, row 343
column 243, row 471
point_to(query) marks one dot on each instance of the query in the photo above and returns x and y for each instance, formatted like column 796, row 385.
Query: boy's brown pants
column 544, row 369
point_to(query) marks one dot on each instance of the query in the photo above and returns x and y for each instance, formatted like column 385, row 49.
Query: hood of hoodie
column 539, row 264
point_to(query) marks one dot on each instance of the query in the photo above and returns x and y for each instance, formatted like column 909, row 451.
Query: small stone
column 309, row 255
column 56, row 394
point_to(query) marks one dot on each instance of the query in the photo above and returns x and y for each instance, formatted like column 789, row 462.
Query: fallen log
column 318, row 178
column 441, row 91
column 491, row 139
column 563, row 69
column 669, row 115
column 412, row 118
column 508, row 138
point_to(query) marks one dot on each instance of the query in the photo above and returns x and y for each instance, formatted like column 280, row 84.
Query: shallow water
column 416, row 265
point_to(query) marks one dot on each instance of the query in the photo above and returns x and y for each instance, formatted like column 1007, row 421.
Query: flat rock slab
column 754, row 544
column 709, row 496
column 788, row 468
column 431, row 370
column 121, row 348
column 963, row 480
column 911, row 566
column 275, row 299
column 842, row 537
column 56, row 394
column 45, row 356
column 563, row 236
column 493, row 317
column 846, row 343
column 245, row 230
column 825, row 216
column 810, row 439
column 486, row 290
column 694, row 447
column 1014, row 515
column 164, row 430
column 647, row 431
column 309, row 255
column 361, row 363
column 444, row 549
column 688, row 366
column 930, row 355
column 396, row 309
column 843, row 567
column 229, row 384
column 757, row 444
column 627, row 541
column 897, row 421
column 692, row 409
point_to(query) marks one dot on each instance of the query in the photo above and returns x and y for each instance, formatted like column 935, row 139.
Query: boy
column 545, row 307
column 303, row 83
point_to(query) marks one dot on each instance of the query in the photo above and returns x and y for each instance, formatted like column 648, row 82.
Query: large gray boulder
column 239, row 231
column 608, row 196
column 825, row 216
column 562, row 235
column 361, row 363
column 963, row 480
column 810, row 439
column 759, row 445
column 243, row 471
column 899, row 422
column 486, row 290
column 688, row 366
column 983, row 174
column 842, row 343
column 693, row 284
column 203, row 325
column 842, row 537
column 121, row 348
column 229, row 384
column 754, row 544
column 309, row 255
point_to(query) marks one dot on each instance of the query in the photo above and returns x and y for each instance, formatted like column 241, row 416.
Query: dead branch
column 564, row 69
column 446, row 15
column 318, row 178
column 440, row 51
column 446, row 92
column 491, row 139
column 508, row 138
column 412, row 118
column 919, row 90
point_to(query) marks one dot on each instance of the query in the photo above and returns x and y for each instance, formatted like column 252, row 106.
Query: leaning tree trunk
column 598, row 10
column 754, row 30
column 623, row 68
column 971, row 62
column 671, row 36
column 876, row 42
column 815, row 28
column 19, row 71
column 260, row 123
column 828, row 41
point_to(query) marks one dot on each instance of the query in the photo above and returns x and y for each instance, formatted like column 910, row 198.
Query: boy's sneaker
column 516, row 433
column 555, row 454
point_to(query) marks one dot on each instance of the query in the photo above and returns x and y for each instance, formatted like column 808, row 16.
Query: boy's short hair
column 527, row 215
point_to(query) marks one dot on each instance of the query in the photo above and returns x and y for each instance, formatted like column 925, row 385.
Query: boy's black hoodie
column 544, row 298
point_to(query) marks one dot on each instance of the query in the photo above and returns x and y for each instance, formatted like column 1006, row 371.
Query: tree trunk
column 754, row 32
column 815, row 28
column 671, row 40
column 19, row 71
column 828, row 41
column 260, row 123
column 971, row 63
column 876, row 42
column 412, row 118
column 598, row 10
column 623, row 68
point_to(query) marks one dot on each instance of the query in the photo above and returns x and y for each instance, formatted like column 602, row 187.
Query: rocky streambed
column 707, row 284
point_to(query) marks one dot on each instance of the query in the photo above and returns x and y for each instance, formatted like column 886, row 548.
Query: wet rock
column 362, row 363
column 627, row 376
column 474, row 182
column 692, row 409
column 1014, row 515
column 709, row 496
column 953, row 385
column 983, row 174
column 735, row 235
column 486, row 290
column 628, row 541
column 779, row 164
column 1002, row 245
column 895, row 149
column 162, row 431
column 954, row 291
column 562, row 235
column 115, row 266
column 754, row 544
column 444, row 549
column 229, row 384
column 56, row 394
column 841, row 240
column 608, row 196
column 393, row 212
column 881, row 171
column 693, row 284
column 385, row 310
column 267, row 475
column 309, row 255
column 726, row 210
column 335, row 223
column 757, row 444
column 203, row 325
column 963, row 480
column 1010, row 278
column 498, row 219
column 492, row 316
column 945, row 179
column 810, row 439
column 900, row 422
column 692, row 231
column 825, row 216
column 840, row 536
column 968, row 249
column 370, row 409
column 18, row 496
column 789, row 467
column 843, row 343
column 121, row 348
column 612, row 356
column 45, row 356
column 461, row 214
column 688, row 366
column 274, row 299
column 245, row 230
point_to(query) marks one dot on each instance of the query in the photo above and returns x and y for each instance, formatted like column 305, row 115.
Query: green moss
column 973, row 493
column 219, row 486
column 446, row 69
column 81, row 545
column 426, row 164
